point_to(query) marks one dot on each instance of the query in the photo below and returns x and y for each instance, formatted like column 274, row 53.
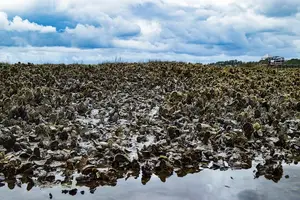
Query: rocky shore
column 116, row 120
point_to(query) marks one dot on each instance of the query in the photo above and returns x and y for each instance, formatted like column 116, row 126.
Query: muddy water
column 207, row 184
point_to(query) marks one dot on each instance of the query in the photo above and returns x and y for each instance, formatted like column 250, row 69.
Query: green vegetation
column 236, row 63
column 293, row 61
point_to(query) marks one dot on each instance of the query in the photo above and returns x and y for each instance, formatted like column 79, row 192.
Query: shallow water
column 207, row 184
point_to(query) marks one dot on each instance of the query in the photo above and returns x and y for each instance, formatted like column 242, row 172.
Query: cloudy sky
column 93, row 31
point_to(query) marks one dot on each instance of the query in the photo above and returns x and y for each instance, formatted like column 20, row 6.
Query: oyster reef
column 99, row 123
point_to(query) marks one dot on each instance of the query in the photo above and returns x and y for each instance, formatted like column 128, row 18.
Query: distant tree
column 228, row 63
column 293, row 61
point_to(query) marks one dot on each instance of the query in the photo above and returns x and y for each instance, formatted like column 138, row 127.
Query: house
column 274, row 60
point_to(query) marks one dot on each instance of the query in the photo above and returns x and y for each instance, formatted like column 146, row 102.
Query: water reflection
column 206, row 184
column 251, row 195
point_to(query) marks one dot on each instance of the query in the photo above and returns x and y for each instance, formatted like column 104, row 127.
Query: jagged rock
column 37, row 152
column 120, row 161
column 25, row 168
column 82, row 108
column 173, row 132
column 18, row 112
column 54, row 145
column 146, row 173
column 73, row 192
column 248, row 130
column 7, row 141
column 257, row 114
column 63, row 135
column 270, row 171
column 298, row 107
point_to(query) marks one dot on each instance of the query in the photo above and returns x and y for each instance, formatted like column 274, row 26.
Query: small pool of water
column 205, row 185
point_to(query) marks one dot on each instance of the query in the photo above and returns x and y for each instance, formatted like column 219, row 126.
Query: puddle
column 205, row 185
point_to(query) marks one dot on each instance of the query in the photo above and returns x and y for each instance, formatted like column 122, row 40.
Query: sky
column 96, row 31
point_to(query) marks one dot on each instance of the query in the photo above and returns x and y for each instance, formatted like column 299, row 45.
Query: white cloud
column 150, row 30
column 88, row 33
column 105, row 33
column 276, row 7
column 17, row 5
column 20, row 25
column 93, row 56
column 199, row 29
column 112, row 26
column 84, row 31
column 141, row 45
column 3, row 20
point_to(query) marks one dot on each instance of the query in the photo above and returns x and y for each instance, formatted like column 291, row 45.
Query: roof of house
column 269, row 57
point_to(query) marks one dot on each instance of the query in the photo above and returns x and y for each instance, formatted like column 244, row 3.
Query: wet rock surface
column 113, row 121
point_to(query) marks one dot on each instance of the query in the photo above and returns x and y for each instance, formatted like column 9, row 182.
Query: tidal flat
column 97, row 124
